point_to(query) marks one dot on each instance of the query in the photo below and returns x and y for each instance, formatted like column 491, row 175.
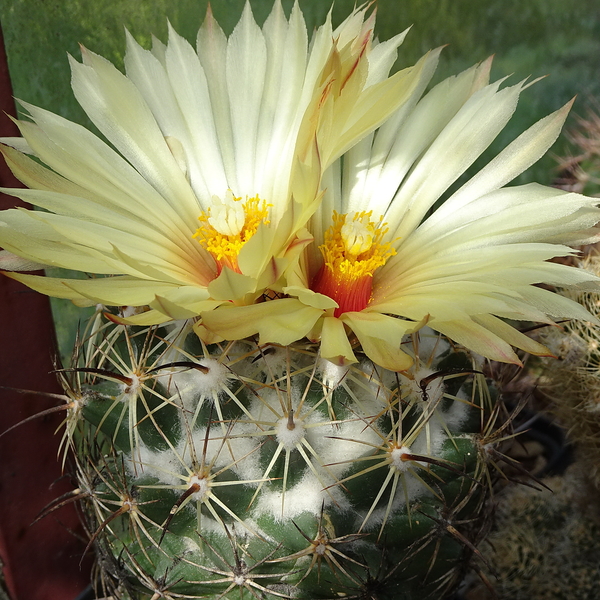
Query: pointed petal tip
column 340, row 360
column 570, row 103
column 114, row 318
column 85, row 54
column 516, row 362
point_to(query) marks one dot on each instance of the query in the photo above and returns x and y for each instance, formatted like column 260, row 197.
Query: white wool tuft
column 211, row 383
column 332, row 374
column 431, row 343
column 204, row 486
column 457, row 412
column 192, row 385
column 274, row 360
column 132, row 389
column 397, row 455
column 337, row 445
column 163, row 466
column 306, row 496
column 290, row 432
column 432, row 392
column 239, row 451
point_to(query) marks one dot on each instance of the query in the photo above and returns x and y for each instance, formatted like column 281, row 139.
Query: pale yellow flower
column 219, row 155
column 386, row 261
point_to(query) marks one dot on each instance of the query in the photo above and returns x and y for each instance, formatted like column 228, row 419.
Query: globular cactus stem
column 232, row 469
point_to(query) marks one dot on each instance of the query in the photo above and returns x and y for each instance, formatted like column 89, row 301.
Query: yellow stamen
column 228, row 224
column 353, row 250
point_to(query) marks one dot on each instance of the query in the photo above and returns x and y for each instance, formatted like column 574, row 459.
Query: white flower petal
column 524, row 151
column 281, row 107
column 85, row 160
column 246, row 68
column 116, row 107
column 404, row 138
column 188, row 79
column 366, row 163
column 382, row 58
column 124, row 291
column 18, row 143
column 477, row 338
column 23, row 234
column 465, row 137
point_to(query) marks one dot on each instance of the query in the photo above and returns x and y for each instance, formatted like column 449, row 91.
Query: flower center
column 352, row 251
column 228, row 224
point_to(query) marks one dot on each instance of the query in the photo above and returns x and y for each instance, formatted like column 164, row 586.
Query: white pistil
column 227, row 215
column 357, row 235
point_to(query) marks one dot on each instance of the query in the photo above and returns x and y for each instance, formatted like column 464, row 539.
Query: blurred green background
column 529, row 38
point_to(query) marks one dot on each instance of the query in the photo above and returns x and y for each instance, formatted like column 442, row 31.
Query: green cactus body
column 242, row 471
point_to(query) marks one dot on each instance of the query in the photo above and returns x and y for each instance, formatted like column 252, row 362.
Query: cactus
column 545, row 546
column 570, row 383
column 580, row 170
column 284, row 399
column 238, row 470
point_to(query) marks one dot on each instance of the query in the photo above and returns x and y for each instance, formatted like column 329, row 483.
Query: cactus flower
column 388, row 257
column 220, row 152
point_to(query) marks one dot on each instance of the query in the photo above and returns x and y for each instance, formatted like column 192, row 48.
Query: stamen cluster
column 223, row 232
column 353, row 250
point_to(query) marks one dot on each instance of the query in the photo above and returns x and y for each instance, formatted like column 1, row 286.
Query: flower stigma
column 228, row 224
column 352, row 251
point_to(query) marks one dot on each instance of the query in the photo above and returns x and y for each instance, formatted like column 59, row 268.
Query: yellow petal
column 143, row 319
column 310, row 298
column 277, row 321
column 119, row 290
column 380, row 337
column 177, row 311
column 477, row 338
column 230, row 284
column 511, row 335
column 208, row 337
column 335, row 346
column 12, row 262
column 257, row 251
column 50, row 286
column 273, row 270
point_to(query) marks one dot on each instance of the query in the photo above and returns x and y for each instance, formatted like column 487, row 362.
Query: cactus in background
column 571, row 383
column 232, row 469
column 580, row 171
column 545, row 545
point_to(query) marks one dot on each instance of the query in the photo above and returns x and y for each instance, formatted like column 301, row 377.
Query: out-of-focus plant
column 580, row 171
